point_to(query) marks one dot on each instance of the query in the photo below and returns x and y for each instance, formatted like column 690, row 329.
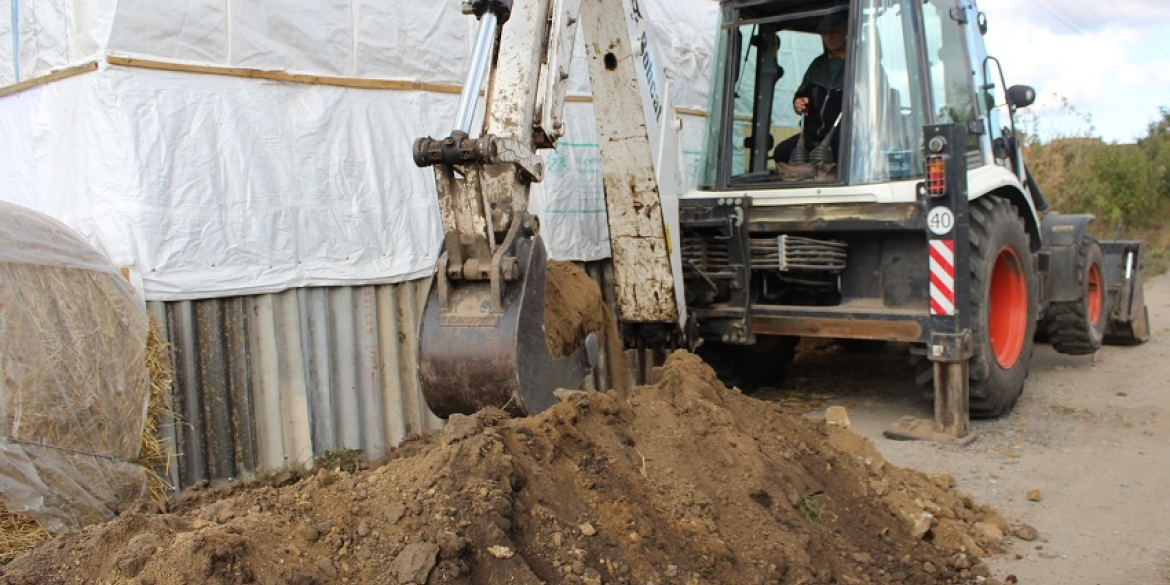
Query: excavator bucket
column 1129, row 321
column 482, row 343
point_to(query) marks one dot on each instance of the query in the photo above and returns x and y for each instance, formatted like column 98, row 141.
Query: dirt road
column 1090, row 433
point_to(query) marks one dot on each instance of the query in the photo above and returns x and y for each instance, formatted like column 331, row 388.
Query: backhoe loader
column 914, row 220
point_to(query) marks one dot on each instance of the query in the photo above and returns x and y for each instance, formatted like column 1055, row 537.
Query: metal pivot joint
column 501, row 9
column 460, row 149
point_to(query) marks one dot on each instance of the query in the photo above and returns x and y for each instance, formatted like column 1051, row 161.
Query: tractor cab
column 872, row 74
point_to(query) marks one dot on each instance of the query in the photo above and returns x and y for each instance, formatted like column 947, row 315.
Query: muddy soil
column 685, row 482
column 573, row 309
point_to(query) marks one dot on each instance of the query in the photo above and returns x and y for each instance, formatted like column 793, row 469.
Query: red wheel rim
column 1007, row 311
column 1094, row 295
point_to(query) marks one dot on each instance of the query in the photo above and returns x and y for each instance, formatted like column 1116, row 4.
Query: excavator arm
column 482, row 337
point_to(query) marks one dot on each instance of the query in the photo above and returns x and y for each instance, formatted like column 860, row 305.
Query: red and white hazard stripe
column 942, row 277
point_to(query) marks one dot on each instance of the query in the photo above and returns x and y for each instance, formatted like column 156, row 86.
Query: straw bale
column 18, row 534
column 74, row 384
column 156, row 454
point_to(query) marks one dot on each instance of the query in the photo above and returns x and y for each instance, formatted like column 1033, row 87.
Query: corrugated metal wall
column 266, row 381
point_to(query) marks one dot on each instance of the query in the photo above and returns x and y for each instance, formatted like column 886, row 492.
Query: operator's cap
column 836, row 21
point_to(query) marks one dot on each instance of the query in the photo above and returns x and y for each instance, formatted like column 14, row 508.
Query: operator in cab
column 820, row 95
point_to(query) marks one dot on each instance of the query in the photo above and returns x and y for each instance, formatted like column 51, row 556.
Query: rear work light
column 936, row 176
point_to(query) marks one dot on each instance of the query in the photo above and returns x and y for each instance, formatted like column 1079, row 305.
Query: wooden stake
column 54, row 76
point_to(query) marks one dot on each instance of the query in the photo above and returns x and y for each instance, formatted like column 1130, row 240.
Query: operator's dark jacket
column 825, row 91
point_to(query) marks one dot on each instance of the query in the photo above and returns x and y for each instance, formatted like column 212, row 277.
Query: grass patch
column 810, row 506
column 347, row 460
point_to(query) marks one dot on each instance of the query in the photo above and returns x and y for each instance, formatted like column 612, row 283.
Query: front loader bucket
column 474, row 353
column 1129, row 321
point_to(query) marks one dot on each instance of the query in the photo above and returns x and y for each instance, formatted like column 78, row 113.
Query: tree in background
column 1127, row 186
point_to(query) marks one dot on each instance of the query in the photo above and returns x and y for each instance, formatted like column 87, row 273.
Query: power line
column 1056, row 15
column 1148, row 38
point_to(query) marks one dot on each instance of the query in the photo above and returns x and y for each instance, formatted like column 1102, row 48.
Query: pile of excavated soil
column 685, row 482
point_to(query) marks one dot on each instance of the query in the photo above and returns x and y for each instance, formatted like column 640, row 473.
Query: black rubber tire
column 1068, row 325
column 750, row 368
column 994, row 390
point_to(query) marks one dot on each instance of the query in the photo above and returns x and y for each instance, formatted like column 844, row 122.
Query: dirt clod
column 415, row 562
column 1026, row 532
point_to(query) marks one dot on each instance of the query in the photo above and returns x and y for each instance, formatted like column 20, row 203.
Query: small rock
column 929, row 567
column 862, row 558
column 558, row 539
column 837, row 416
column 460, row 427
column 415, row 562
column 564, row 395
column 1026, row 532
column 1034, row 495
column 394, row 512
column 591, row 577
column 671, row 571
column 308, row 534
column 501, row 552
column 989, row 531
column 969, row 544
column 451, row 544
column 363, row 529
column 921, row 525
column 285, row 478
column 990, row 515
column 981, row 570
column 200, row 524
column 587, row 529
column 944, row 481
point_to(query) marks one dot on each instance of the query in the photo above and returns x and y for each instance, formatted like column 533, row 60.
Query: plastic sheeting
column 73, row 379
column 227, row 186
column 421, row 41
column 211, row 186
column 50, row 35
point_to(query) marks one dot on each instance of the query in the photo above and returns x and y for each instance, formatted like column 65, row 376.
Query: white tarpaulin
column 50, row 34
column 212, row 185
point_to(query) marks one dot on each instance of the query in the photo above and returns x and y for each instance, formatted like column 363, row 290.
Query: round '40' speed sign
column 940, row 221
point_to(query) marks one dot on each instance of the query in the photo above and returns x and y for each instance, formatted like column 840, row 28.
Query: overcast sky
column 1110, row 60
